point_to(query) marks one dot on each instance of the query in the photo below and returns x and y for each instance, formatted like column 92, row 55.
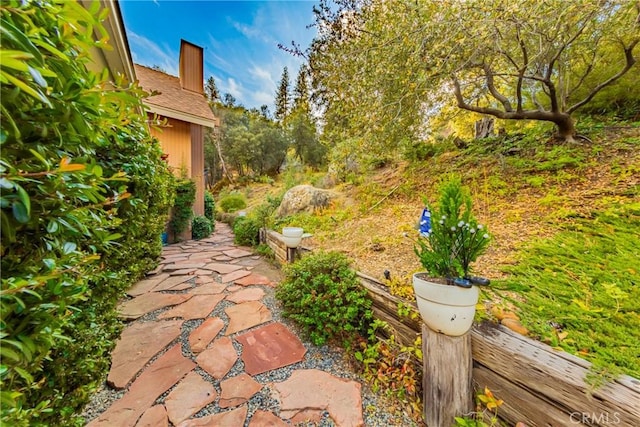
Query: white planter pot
column 445, row 308
column 291, row 236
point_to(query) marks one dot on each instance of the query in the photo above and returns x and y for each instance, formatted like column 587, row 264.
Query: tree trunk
column 566, row 127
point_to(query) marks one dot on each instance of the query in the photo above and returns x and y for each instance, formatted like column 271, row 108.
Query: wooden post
column 448, row 391
column 291, row 254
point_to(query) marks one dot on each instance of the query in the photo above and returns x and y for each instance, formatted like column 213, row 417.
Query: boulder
column 304, row 198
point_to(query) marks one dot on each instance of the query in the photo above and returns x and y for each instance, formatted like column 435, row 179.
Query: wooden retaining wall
column 540, row 386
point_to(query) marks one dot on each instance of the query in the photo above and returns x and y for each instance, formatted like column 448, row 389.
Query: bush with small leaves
column 323, row 294
column 232, row 202
column 246, row 231
column 209, row 206
column 201, row 227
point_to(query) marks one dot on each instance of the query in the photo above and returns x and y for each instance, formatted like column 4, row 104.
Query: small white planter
column 292, row 236
column 445, row 308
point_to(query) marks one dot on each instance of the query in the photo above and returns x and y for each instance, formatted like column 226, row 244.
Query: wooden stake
column 448, row 391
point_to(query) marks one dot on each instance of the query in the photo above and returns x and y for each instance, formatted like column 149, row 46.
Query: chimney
column 191, row 67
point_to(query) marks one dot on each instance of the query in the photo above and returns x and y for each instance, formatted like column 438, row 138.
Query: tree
column 229, row 100
column 211, row 90
column 301, row 90
column 282, row 101
column 540, row 60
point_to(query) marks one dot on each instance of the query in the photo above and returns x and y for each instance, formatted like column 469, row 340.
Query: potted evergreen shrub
column 450, row 240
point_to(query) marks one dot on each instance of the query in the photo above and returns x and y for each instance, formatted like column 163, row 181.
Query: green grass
column 581, row 290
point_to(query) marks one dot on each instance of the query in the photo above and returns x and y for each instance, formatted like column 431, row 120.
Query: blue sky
column 239, row 38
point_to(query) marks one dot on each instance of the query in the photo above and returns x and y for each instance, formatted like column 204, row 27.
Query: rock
column 219, row 358
column 173, row 283
column 270, row 347
column 227, row 278
column 147, row 303
column 221, row 268
column 253, row 279
column 198, row 307
column 156, row 379
column 244, row 295
column 233, row 418
column 190, row 395
column 308, row 392
column 136, row 346
column 246, row 315
column 146, row 285
column 200, row 337
column 237, row 390
column 237, row 253
column 304, row 198
column 266, row 419
column 156, row 416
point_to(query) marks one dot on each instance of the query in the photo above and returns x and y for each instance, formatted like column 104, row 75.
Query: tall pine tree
column 301, row 91
column 211, row 90
column 283, row 100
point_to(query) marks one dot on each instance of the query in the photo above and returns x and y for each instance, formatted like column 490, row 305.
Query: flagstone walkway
column 202, row 349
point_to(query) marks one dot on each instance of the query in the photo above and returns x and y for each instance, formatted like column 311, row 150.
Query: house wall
column 175, row 140
column 197, row 166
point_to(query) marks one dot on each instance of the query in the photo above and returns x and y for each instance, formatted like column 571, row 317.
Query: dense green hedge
column 85, row 197
column 183, row 208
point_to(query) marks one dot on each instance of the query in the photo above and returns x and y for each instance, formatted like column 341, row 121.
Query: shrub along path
column 206, row 347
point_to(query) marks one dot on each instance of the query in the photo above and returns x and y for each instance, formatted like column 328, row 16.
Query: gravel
column 327, row 358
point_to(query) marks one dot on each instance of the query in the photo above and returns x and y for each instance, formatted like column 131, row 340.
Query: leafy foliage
column 85, row 196
column 283, row 97
column 392, row 368
column 455, row 238
column 580, row 289
column 322, row 293
column 232, row 202
column 201, row 227
column 183, row 207
column 246, row 231
column 417, row 64
column 209, row 206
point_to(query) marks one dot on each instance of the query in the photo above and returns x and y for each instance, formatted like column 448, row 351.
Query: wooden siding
column 197, row 166
column 191, row 73
column 175, row 140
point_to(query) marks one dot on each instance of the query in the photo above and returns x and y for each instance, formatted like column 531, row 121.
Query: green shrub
column 209, row 206
column 79, row 172
column 201, row 227
column 183, row 206
column 232, row 202
column 246, row 231
column 323, row 294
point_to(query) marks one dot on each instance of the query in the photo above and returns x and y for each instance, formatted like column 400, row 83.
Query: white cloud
column 147, row 52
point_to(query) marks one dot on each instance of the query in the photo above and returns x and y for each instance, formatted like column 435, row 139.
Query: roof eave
column 180, row 115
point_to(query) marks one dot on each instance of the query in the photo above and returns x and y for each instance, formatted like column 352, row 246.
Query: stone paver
column 200, row 337
column 218, row 358
column 190, row 395
column 231, row 277
column 193, row 364
column 270, row 347
column 147, row 285
column 237, row 390
column 237, row 253
column 187, row 265
column 147, row 303
column 253, row 279
column 197, row 307
column 137, row 345
column 173, row 283
column 244, row 295
column 266, row 419
column 232, row 418
column 156, row 416
column 246, row 315
column 222, row 268
column 156, row 379
column 308, row 392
